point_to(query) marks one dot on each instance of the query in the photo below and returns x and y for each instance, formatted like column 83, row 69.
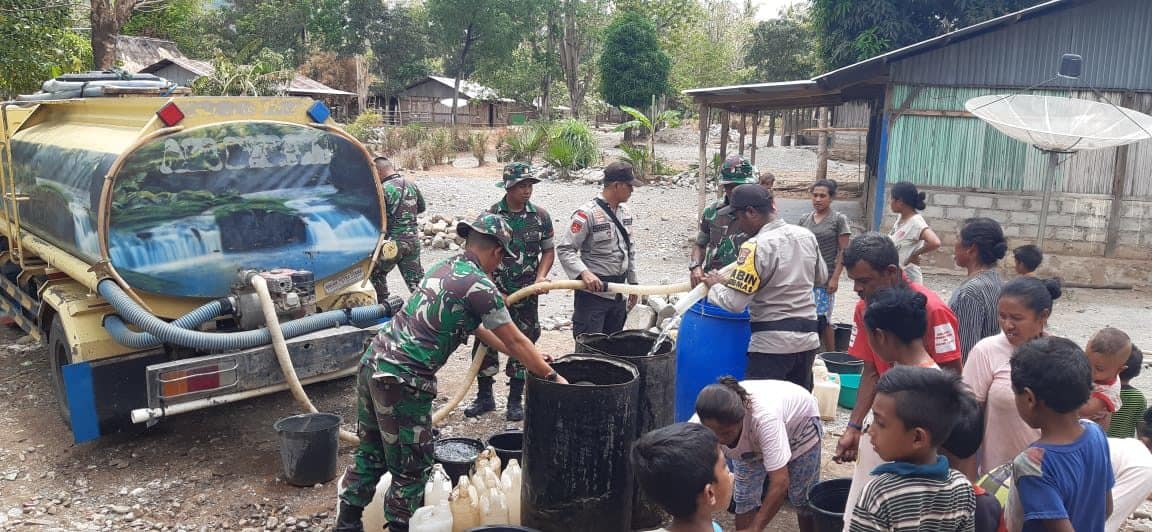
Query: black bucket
column 657, row 395
column 843, row 334
column 842, row 363
column 828, row 500
column 308, row 447
column 577, row 442
column 457, row 455
column 508, row 444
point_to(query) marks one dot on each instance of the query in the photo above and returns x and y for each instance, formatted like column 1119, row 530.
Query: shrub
column 522, row 144
column 442, row 146
column 364, row 127
column 478, row 144
column 393, row 140
column 578, row 139
column 409, row 159
column 460, row 141
column 561, row 154
column 414, row 134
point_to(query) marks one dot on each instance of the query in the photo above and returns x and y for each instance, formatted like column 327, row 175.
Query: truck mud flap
column 101, row 394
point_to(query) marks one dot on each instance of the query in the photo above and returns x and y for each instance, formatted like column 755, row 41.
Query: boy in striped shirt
column 914, row 412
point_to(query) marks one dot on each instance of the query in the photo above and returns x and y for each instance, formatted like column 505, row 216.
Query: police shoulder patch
column 745, row 278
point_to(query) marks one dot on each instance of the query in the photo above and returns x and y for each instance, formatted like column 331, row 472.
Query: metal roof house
column 429, row 101
column 919, row 131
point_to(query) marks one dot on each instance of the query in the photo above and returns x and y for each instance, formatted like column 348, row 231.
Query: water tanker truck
column 147, row 241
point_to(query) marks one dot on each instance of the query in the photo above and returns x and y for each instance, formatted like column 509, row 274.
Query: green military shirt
column 403, row 202
column 532, row 233
column 720, row 236
column 455, row 298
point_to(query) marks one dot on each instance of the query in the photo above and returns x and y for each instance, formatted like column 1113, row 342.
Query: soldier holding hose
column 720, row 237
column 397, row 379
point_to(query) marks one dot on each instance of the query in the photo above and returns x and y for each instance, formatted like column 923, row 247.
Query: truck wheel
column 59, row 355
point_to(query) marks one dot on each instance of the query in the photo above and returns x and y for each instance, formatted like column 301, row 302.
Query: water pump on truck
column 134, row 230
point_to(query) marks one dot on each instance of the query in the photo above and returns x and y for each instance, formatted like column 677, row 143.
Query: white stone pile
column 439, row 232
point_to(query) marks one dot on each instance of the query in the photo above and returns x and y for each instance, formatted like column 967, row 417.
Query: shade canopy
column 1060, row 124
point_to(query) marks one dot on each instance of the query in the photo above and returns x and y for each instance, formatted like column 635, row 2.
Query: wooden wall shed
column 427, row 102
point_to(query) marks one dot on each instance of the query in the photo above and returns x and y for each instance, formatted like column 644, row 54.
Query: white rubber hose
column 280, row 347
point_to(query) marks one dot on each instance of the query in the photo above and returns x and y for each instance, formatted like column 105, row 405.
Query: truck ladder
column 11, row 200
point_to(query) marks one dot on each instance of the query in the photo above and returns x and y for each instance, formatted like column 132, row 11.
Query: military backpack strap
column 616, row 221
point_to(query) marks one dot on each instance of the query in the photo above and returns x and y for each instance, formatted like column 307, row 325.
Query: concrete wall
column 1075, row 237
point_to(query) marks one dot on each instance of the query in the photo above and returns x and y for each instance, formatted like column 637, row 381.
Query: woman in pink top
column 1023, row 309
column 771, row 431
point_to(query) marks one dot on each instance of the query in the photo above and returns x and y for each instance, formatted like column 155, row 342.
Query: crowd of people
column 969, row 415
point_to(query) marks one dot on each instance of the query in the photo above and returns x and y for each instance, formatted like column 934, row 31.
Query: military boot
column 348, row 518
column 515, row 400
column 484, row 402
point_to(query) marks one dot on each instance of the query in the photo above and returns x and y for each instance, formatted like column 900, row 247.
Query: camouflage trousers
column 394, row 423
column 526, row 316
column 408, row 259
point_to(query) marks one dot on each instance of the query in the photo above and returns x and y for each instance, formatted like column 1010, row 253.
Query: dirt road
column 218, row 469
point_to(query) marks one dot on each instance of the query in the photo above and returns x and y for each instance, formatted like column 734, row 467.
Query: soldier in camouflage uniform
column 402, row 203
column 397, row 378
column 719, row 238
column 532, row 240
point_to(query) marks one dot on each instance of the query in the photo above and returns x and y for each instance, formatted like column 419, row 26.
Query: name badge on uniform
column 745, row 278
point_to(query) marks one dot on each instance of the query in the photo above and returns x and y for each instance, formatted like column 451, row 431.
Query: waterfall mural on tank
column 190, row 209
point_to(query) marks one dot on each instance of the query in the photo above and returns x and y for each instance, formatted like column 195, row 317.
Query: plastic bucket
column 457, row 455
column 657, row 369
column 508, row 444
column 712, row 343
column 308, row 447
column 827, row 500
column 843, row 335
column 849, row 386
column 578, row 437
column 842, row 363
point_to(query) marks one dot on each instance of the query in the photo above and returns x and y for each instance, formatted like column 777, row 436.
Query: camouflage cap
column 493, row 226
column 737, row 170
column 515, row 173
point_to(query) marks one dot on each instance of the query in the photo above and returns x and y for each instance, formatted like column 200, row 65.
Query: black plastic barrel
column 657, row 394
column 509, row 445
column 308, row 447
column 456, row 455
column 843, row 335
column 577, row 476
column 828, row 500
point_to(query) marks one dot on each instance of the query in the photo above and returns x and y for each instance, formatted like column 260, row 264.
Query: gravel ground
column 218, row 469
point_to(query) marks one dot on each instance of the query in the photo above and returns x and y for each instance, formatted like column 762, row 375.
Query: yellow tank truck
column 133, row 230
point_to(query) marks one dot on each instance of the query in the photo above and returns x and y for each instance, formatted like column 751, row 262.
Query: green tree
column 782, row 49
column 469, row 31
column 854, row 30
column 38, row 44
column 711, row 51
column 180, row 21
column 107, row 18
column 633, row 68
column 402, row 51
column 266, row 74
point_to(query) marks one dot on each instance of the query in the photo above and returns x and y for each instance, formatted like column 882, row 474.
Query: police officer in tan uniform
column 597, row 248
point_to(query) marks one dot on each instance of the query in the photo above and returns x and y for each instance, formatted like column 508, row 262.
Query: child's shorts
column 803, row 473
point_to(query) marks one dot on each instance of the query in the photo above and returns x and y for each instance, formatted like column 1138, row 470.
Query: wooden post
column 771, row 129
column 822, row 144
column 755, row 127
column 743, row 131
column 724, row 120
column 1119, row 183
column 702, row 176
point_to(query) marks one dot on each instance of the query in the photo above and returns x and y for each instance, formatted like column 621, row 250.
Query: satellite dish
column 460, row 102
column 1059, row 124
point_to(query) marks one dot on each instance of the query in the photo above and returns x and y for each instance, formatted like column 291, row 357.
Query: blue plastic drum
column 712, row 343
